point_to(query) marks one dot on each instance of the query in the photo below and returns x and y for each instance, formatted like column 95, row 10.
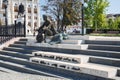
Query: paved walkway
column 7, row 74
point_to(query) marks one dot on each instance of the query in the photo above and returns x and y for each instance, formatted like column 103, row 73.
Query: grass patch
column 98, row 34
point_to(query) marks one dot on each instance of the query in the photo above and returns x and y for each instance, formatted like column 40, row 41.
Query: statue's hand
column 45, row 28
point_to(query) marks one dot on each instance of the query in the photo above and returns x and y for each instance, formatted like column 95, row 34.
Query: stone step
column 20, row 42
column 92, row 59
column 105, row 61
column 109, row 54
column 68, row 41
column 95, row 70
column 102, row 53
column 26, row 64
column 15, row 54
column 72, row 42
column 24, row 47
column 117, row 78
column 87, row 52
column 61, row 57
column 13, row 59
column 23, row 39
column 99, row 70
column 104, row 38
column 19, row 46
column 23, row 69
column 77, row 58
column 104, row 47
column 20, row 50
column 102, row 42
column 72, row 46
column 45, row 69
column 62, row 46
column 29, row 49
column 78, row 37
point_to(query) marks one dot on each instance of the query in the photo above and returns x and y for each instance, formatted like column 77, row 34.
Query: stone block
column 62, row 57
column 87, row 68
column 72, row 42
column 63, row 46
column 98, row 70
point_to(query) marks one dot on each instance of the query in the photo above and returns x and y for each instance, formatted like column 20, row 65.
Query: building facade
column 32, row 13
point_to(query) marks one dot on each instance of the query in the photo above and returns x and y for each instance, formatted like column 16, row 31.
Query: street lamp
column 82, row 15
column 84, row 4
column 5, row 2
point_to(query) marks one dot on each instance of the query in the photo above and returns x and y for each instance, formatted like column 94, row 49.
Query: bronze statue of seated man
column 47, row 29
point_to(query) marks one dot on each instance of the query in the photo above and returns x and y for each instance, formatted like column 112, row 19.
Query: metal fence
column 9, row 32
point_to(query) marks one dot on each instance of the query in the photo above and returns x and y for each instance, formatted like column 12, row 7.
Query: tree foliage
column 68, row 12
column 65, row 12
column 95, row 13
column 114, row 23
column 118, row 23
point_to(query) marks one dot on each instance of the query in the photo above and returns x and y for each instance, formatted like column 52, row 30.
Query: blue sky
column 41, row 3
column 114, row 7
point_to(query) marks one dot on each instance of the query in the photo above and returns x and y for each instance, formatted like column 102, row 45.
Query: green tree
column 71, row 12
column 89, row 13
column 114, row 23
column 54, row 8
column 118, row 23
column 111, row 23
column 95, row 13
column 66, row 12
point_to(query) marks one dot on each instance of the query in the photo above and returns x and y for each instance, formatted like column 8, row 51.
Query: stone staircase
column 103, row 62
column 107, row 46
column 18, row 61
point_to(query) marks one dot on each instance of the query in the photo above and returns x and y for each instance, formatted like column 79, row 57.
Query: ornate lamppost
column 84, row 5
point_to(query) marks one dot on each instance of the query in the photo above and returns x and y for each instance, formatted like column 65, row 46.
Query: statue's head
column 44, row 17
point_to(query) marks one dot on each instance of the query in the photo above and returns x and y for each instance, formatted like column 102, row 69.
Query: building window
column 35, row 6
column 16, row 16
column 29, row 10
column 15, row 4
column 29, row 17
column 29, row 23
column 4, row 14
column 3, row 6
column 35, row 10
column 35, row 24
column 15, row 8
column 29, row 6
column 35, row 17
